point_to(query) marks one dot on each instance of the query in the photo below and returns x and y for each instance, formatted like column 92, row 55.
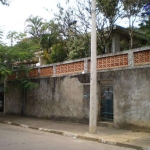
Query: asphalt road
column 19, row 138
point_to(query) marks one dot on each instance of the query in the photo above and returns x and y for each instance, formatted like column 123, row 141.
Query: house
column 120, row 42
column 64, row 90
column 121, row 39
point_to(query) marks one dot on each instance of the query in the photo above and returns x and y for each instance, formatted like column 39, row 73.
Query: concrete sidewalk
column 124, row 138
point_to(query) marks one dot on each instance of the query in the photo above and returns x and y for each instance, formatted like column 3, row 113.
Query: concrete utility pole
column 93, row 80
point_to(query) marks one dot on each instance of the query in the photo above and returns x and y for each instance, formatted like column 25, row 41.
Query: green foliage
column 145, row 28
column 58, row 53
column 79, row 47
column 4, row 71
column 1, row 35
column 51, row 37
column 124, row 45
column 46, row 57
column 26, row 84
column 4, row 66
column 46, row 41
column 18, row 55
column 109, row 8
column 28, row 46
column 131, row 11
column 35, row 26
column 132, row 8
column 15, row 36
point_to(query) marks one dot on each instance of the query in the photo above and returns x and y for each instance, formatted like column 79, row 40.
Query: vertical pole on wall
column 93, row 79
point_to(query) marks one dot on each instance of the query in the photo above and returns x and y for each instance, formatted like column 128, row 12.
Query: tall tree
column 51, row 36
column 15, row 37
column 108, row 13
column 46, row 34
column 74, row 27
column 132, row 10
column 35, row 26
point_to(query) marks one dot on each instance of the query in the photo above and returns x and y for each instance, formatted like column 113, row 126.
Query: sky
column 12, row 18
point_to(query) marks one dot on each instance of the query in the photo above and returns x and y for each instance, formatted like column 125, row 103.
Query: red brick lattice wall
column 12, row 76
column 22, row 74
column 142, row 57
column 33, row 73
column 112, row 61
column 70, row 68
column 47, row 71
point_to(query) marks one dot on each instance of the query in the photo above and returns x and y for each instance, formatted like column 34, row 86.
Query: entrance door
column 1, row 97
column 106, row 109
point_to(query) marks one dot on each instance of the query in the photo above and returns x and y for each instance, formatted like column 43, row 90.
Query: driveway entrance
column 1, row 97
column 106, row 101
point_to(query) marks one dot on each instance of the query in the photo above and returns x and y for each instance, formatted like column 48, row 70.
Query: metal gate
column 106, row 102
column 1, row 97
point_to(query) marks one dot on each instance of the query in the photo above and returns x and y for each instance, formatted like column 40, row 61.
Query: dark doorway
column 1, row 97
column 106, row 101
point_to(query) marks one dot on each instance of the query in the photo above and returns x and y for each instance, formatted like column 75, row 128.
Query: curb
column 111, row 143
column 79, row 136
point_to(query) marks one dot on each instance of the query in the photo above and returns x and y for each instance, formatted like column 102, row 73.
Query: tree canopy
column 67, row 35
